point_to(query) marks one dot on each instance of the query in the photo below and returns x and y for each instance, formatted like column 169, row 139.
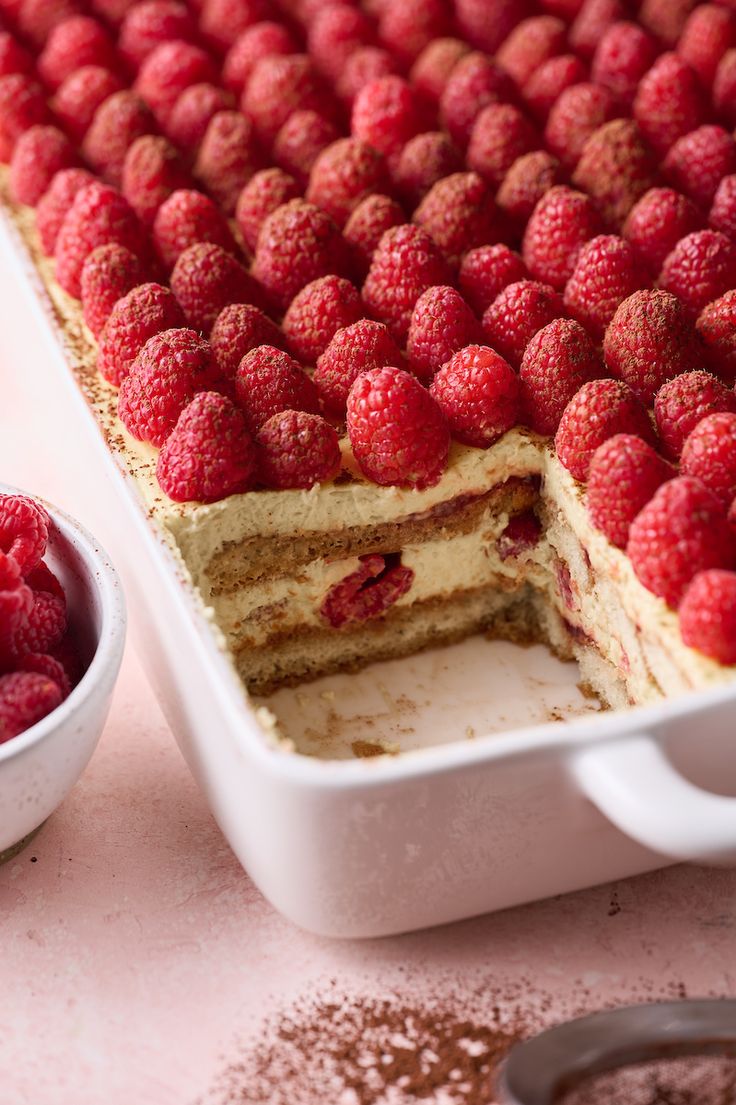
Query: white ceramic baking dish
column 375, row 846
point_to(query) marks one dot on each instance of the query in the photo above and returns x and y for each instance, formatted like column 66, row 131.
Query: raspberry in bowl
column 62, row 624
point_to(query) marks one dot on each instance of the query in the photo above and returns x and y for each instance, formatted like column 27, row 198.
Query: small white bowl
column 39, row 767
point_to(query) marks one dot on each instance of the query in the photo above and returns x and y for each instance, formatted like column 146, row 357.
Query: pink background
column 139, row 959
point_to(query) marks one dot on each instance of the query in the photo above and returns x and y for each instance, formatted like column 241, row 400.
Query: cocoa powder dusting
column 362, row 1051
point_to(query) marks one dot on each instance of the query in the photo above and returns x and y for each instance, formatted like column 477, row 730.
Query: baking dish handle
column 633, row 783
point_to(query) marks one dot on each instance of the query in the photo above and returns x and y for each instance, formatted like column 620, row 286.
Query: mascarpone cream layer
column 441, row 568
column 201, row 530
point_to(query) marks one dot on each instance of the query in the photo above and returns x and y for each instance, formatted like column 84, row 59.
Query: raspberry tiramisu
column 410, row 321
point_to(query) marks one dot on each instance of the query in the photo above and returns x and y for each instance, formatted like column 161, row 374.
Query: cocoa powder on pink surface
column 347, row 1050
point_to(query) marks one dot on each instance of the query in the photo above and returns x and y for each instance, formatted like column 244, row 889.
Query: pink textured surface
column 139, row 959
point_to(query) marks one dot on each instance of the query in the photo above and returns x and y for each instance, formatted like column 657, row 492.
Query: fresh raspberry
column 209, row 453
column 709, row 32
column 474, row 82
column 45, row 625
column 424, row 160
column 168, row 71
column 238, row 329
column 269, row 381
column 108, row 273
column 297, row 449
column 441, row 324
column 163, row 379
column 591, row 23
column 9, row 11
column 558, row 360
column 716, row 326
column 192, row 114
column 386, row 114
column 150, row 23
column 260, row 40
column 406, row 263
column 369, row 63
column 80, row 95
column 185, row 218
column 25, row 698
column 112, row 11
column 486, row 23
column 696, row 163
column 41, row 578
column 22, row 105
column 13, row 57
column 357, row 348
column 77, row 41
column 500, row 135
column 366, row 226
column 267, row 190
column 39, row 154
column 709, row 454
column 666, row 19
column 600, row 409
column 228, row 157
column 459, row 213
column 521, row 534
column 722, row 214
column 622, row 57
column 42, row 663
column 545, row 85
column 624, row 474
column 650, row 340
column 398, row 433
column 574, row 116
column 279, row 86
column 531, row 43
column 297, row 244
column 97, row 216
column 700, row 268
column 117, row 123
column 55, row 203
column 37, row 18
column 528, row 179
column 606, row 273
column 517, row 313
column 368, row 592
column 24, row 531
column 431, row 70
column 152, row 171
column 301, row 140
column 486, row 271
column 143, row 312
column 16, row 604
column 66, row 654
column 336, row 32
column 724, row 88
column 479, row 394
column 207, row 278
column 681, row 531
column 407, row 29
column 616, row 167
column 681, row 403
column 708, row 615
column 669, row 102
column 560, row 225
column 223, row 21
column 344, row 174
column 317, row 312
column 656, row 223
